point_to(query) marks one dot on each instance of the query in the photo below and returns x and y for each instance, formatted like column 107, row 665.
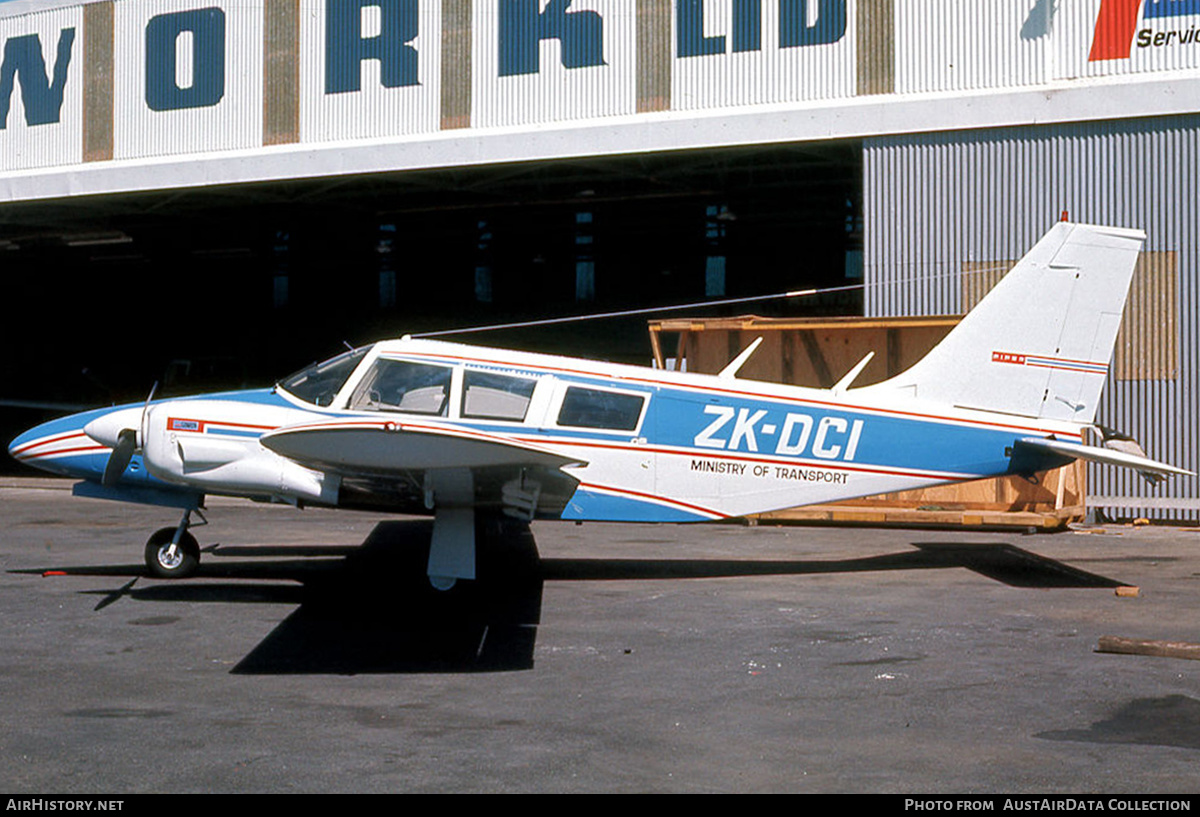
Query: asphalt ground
column 628, row 658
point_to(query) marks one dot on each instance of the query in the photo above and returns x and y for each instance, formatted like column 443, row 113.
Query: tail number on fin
column 830, row 438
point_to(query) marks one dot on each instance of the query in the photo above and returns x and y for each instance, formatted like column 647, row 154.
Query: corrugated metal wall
column 544, row 86
column 939, row 208
column 375, row 100
column 177, row 77
column 207, row 70
column 944, row 45
column 730, row 66
column 948, row 45
column 27, row 140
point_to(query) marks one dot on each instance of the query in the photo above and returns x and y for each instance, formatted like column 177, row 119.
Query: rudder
column 1039, row 344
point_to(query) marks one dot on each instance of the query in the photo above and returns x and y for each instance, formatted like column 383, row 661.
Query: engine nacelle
column 212, row 446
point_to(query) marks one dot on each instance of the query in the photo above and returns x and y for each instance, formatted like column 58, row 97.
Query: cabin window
column 592, row 408
column 491, row 396
column 319, row 383
column 401, row 385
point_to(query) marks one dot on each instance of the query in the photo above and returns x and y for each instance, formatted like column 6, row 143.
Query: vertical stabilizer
column 1039, row 344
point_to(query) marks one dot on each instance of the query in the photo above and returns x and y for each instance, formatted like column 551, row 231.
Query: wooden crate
column 817, row 352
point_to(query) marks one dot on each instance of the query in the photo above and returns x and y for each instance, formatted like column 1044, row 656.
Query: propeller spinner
column 122, row 431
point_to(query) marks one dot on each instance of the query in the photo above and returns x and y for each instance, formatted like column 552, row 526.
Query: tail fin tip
column 1039, row 344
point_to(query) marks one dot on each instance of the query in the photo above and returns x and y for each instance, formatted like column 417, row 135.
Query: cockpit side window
column 319, row 383
column 593, row 408
column 405, row 386
column 491, row 396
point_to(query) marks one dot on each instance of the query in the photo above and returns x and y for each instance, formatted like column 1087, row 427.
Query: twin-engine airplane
column 428, row 426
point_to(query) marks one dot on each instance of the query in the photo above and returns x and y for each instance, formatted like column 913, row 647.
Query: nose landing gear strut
column 173, row 553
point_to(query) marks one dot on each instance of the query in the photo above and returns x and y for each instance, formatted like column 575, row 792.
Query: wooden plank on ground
column 1160, row 649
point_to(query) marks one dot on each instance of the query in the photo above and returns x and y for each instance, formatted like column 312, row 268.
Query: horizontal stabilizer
column 369, row 446
column 1105, row 455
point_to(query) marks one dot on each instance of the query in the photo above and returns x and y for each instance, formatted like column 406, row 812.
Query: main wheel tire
column 163, row 564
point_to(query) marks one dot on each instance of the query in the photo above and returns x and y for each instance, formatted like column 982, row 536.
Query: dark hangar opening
column 218, row 287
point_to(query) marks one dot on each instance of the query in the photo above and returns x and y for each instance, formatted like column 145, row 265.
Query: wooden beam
column 1159, row 649
column 656, row 348
column 756, row 324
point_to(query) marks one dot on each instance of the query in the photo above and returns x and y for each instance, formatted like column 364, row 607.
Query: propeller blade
column 121, row 454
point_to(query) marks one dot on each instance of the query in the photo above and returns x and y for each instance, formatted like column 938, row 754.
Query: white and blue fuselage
column 634, row 444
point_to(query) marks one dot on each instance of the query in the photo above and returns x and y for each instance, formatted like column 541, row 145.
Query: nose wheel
column 172, row 553
column 167, row 559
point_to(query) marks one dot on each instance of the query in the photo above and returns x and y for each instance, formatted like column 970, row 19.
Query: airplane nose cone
column 59, row 446
column 24, row 439
column 106, row 429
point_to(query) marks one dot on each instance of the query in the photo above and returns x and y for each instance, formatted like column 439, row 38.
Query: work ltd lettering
column 23, row 64
column 523, row 25
column 202, row 32
column 801, row 23
column 347, row 44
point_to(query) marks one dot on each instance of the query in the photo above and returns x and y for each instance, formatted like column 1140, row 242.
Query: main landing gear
column 172, row 553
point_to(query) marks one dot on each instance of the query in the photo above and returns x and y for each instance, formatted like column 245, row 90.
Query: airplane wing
column 460, row 469
column 385, row 447
column 1105, row 455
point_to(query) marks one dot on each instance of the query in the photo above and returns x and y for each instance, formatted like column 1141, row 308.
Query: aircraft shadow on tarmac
column 370, row 609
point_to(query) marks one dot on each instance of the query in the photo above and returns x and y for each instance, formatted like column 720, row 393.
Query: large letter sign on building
column 537, row 61
column 797, row 29
column 801, row 23
column 205, row 86
column 125, row 80
column 369, row 68
column 739, row 52
column 187, row 75
column 347, row 46
column 41, row 96
column 523, row 26
column 689, row 28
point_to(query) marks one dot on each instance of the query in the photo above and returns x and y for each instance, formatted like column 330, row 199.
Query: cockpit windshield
column 319, row 383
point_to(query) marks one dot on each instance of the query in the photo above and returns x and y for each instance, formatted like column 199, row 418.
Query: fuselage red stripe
column 47, row 441
column 59, row 451
column 654, row 497
column 828, row 464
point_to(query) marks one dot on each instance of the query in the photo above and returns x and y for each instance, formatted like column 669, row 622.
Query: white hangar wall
column 109, row 95
column 946, row 214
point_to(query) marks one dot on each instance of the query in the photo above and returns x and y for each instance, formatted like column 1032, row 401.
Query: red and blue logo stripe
column 1045, row 362
column 1118, row 19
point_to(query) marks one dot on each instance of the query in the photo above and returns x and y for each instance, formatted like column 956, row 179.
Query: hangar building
column 217, row 186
